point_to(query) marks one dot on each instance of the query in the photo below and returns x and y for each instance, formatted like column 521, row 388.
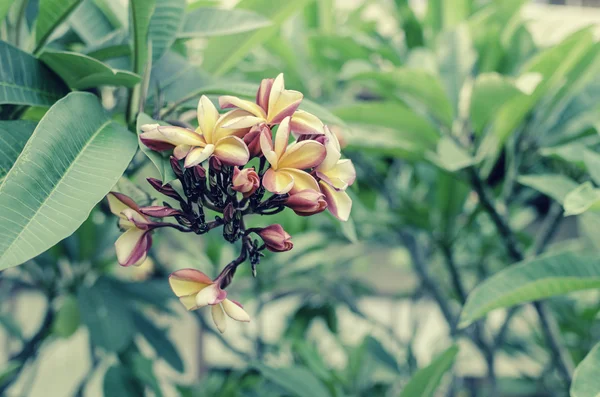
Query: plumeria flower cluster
column 256, row 158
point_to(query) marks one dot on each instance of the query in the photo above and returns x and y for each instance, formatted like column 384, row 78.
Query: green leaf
column 533, row 279
column 11, row 327
column 490, row 92
column 297, row 381
column 426, row 380
column 158, row 339
column 80, row 71
column 583, row 198
column 51, row 14
column 451, row 156
column 223, row 53
column 378, row 351
column 416, row 85
column 144, row 371
column 592, row 162
column 108, row 318
column 207, row 22
column 67, row 319
column 13, row 137
column 166, row 21
column 26, row 81
column 4, row 8
column 90, row 23
column 141, row 14
column 119, row 381
column 586, row 382
column 75, row 155
column 553, row 185
column 159, row 159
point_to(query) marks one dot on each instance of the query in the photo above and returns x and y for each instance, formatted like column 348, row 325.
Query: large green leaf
column 109, row 321
column 586, row 382
column 89, row 23
column 223, row 53
column 166, row 21
column 413, row 84
column 592, row 162
column 555, row 186
column 75, row 155
column 26, row 81
column 545, row 276
column 581, row 199
column 51, row 14
column 425, row 382
column 296, row 381
column 206, row 22
column 13, row 137
column 120, row 381
column 80, row 71
column 141, row 14
column 159, row 159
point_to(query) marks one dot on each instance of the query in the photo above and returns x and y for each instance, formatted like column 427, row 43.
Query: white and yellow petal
column 211, row 295
column 338, row 201
column 229, row 101
column 187, row 282
column 302, row 180
column 207, row 118
column 278, row 182
column 235, row 311
column 132, row 247
column 282, row 103
column 304, row 123
column 218, row 317
column 198, row 155
column 232, row 150
column 302, row 155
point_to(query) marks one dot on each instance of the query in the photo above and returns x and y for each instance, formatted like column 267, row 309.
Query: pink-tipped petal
column 132, row 247
column 119, row 202
column 231, row 150
column 342, row 174
column 338, row 201
column 229, row 102
column 277, row 182
column 218, row 317
column 266, row 145
column 186, row 282
column 198, row 155
column 302, row 155
column 207, row 118
column 302, row 180
column 180, row 136
column 181, row 151
column 304, row 123
column 235, row 311
column 282, row 137
column 153, row 139
column 262, row 96
column 282, row 103
column 332, row 147
column 211, row 295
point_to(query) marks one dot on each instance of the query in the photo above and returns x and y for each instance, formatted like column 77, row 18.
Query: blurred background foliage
column 472, row 140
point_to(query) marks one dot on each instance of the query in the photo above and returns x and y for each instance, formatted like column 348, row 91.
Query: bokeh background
column 354, row 309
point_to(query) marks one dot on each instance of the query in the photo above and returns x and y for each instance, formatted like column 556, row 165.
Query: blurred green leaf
column 297, row 381
column 75, row 155
column 4, row 8
column 311, row 358
column 451, row 156
column 411, row 26
column 166, row 21
column 89, row 23
column 490, row 92
column 223, row 53
column 592, row 162
column 586, row 382
column 11, row 327
column 174, row 77
column 553, row 185
column 583, row 198
column 158, row 339
column 14, row 135
column 207, row 22
column 159, row 159
column 119, row 381
column 542, row 277
column 25, row 80
column 151, row 292
column 378, row 351
column 80, row 71
column 425, row 382
column 141, row 14
column 144, row 371
column 67, row 318
column 413, row 84
column 106, row 314
column 51, row 14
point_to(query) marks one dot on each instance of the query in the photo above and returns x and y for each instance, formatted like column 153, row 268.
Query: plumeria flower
column 288, row 162
column 273, row 104
column 209, row 139
column 195, row 290
column 275, row 238
column 133, row 245
column 245, row 181
column 335, row 175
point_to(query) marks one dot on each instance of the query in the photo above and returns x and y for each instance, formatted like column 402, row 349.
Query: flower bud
column 215, row 163
column 307, row 202
column 228, row 213
column 322, row 139
column 166, row 189
column 245, row 181
column 199, row 172
column 276, row 239
column 252, row 139
column 160, row 211
column 176, row 167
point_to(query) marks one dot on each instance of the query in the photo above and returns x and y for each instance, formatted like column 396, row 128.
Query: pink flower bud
column 276, row 239
column 322, row 139
column 215, row 163
column 166, row 189
column 228, row 212
column 159, row 211
column 199, row 172
column 252, row 139
column 307, row 202
column 176, row 167
column 245, row 181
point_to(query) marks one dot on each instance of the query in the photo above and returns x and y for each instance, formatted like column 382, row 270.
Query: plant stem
column 562, row 359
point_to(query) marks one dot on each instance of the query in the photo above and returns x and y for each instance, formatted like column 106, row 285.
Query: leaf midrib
column 58, row 183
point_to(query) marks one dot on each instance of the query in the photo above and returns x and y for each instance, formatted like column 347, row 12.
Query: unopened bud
column 159, row 211
column 215, row 163
column 245, row 181
column 176, row 167
column 252, row 139
column 166, row 189
column 276, row 239
column 307, row 202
